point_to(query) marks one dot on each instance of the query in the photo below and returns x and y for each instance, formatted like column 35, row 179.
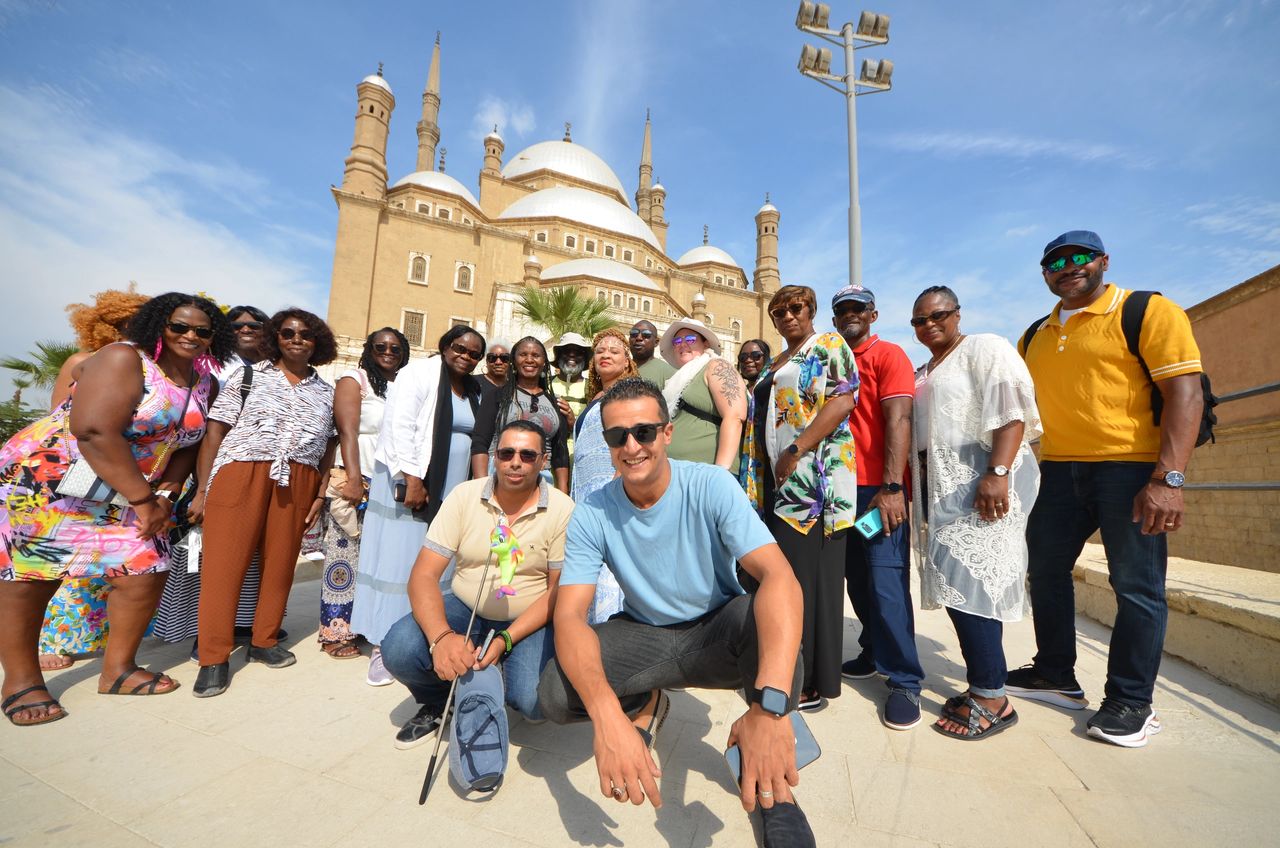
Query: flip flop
column 11, row 708
column 977, row 712
column 149, row 686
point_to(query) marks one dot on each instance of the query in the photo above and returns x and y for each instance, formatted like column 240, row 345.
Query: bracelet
column 436, row 641
column 506, row 637
column 148, row 499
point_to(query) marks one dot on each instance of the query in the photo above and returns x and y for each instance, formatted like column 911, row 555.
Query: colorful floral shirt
column 824, row 483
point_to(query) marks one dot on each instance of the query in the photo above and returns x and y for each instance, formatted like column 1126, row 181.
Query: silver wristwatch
column 1172, row 479
column 999, row 470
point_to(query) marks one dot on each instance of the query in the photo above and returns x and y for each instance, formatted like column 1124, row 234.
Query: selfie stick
column 448, row 702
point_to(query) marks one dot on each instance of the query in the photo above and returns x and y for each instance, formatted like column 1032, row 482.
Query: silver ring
column 766, row 794
column 618, row 792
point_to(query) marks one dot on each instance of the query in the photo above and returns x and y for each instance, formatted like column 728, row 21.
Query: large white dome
column 601, row 269
column 566, row 158
column 439, row 182
column 706, row 253
column 585, row 207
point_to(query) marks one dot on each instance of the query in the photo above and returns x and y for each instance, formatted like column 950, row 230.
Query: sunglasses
column 1079, row 260
column 180, row 329
column 644, row 434
column 383, row 347
column 780, row 312
column 497, row 357
column 643, row 334
column 527, row 456
column 463, row 350
column 687, row 339
column 750, row 356
column 857, row 307
column 288, row 333
column 935, row 317
column 237, row 326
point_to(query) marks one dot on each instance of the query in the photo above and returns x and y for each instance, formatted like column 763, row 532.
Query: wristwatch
column 999, row 470
column 891, row 488
column 770, row 700
column 1172, row 479
column 793, row 449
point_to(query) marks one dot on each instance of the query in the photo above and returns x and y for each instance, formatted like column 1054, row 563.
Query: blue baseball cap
column 857, row 293
column 1075, row 238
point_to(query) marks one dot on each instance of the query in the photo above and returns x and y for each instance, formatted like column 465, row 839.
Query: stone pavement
column 303, row 756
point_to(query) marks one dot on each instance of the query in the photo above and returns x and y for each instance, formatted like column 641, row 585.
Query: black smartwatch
column 891, row 488
column 770, row 700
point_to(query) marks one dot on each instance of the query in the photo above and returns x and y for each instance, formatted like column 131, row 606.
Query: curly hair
column 377, row 382
column 326, row 349
column 146, row 328
column 594, row 384
column 104, row 321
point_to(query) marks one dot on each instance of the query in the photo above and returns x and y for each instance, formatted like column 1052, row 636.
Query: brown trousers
column 246, row 511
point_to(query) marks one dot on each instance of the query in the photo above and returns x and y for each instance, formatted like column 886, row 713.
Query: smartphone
column 870, row 524
column 807, row 749
column 484, row 649
column 401, row 492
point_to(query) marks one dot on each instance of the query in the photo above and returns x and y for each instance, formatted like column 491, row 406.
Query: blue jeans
column 981, row 643
column 879, row 586
column 406, row 654
column 1077, row 498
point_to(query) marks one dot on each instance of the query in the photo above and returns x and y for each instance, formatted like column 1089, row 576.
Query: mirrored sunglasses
column 1078, row 260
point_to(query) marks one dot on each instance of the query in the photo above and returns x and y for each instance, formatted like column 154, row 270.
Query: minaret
column 493, row 148
column 699, row 312
column 366, row 167
column 429, row 126
column 766, row 279
column 657, row 206
column 644, row 194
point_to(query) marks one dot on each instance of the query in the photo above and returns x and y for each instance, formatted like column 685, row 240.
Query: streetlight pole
column 876, row 76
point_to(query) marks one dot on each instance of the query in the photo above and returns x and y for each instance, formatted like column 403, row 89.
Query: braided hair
column 943, row 291
column 507, row 393
column 372, row 370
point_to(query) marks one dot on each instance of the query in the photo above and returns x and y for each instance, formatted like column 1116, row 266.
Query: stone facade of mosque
column 423, row 252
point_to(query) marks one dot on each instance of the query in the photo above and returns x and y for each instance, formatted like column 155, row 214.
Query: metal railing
column 1248, row 393
column 1257, row 486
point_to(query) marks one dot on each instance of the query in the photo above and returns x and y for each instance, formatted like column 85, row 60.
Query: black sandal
column 977, row 712
column 149, row 685
column 11, row 708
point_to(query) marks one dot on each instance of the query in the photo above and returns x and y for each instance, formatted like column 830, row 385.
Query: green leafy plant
column 564, row 310
column 40, row 368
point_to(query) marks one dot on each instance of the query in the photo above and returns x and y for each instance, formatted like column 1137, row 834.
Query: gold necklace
column 937, row 360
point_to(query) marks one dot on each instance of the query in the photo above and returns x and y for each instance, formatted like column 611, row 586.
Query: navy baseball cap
column 857, row 293
column 1075, row 238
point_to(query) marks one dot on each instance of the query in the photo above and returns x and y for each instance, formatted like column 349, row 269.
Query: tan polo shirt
column 461, row 531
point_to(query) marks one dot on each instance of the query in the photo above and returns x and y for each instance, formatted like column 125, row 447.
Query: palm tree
column 564, row 310
column 40, row 369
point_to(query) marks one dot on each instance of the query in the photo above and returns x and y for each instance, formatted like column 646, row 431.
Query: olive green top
column 656, row 371
column 692, row 438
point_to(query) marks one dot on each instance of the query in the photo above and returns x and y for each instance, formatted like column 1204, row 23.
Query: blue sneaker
column 901, row 710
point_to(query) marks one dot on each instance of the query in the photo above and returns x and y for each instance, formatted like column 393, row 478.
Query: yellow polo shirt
column 1095, row 402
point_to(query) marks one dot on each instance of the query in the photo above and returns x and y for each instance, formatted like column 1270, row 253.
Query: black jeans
column 716, row 651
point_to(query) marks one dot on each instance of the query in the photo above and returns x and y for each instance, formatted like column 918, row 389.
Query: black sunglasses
column 644, row 334
column 751, row 355
column 497, row 357
column 616, row 437
column 383, row 347
column 237, row 326
column 180, row 329
column 857, row 307
column 526, row 455
column 463, row 350
column 288, row 333
column 935, row 317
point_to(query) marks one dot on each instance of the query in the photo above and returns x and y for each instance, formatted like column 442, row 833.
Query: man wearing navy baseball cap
column 1108, row 462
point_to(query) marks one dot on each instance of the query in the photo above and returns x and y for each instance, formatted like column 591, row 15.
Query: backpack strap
column 708, row 417
column 1131, row 315
column 1031, row 332
column 246, row 383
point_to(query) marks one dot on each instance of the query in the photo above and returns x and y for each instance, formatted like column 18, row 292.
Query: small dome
column 379, row 81
column 699, row 297
column 563, row 157
column 532, row 259
column 768, row 207
column 584, row 206
column 601, row 269
column 438, row 181
column 659, row 187
column 493, row 136
column 706, row 253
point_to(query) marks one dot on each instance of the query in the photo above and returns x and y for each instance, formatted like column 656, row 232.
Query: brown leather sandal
column 344, row 650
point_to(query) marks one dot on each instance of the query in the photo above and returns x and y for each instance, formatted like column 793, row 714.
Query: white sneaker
column 378, row 674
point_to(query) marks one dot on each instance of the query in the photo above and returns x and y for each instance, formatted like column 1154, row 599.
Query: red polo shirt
column 884, row 372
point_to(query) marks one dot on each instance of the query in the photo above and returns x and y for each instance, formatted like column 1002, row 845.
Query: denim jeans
column 981, row 643
column 1077, row 498
column 879, row 585
column 406, row 653
column 716, row 651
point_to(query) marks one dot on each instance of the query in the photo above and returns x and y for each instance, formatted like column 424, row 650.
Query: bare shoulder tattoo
column 730, row 385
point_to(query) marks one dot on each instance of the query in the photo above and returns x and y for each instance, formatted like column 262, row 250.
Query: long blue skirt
column 389, row 544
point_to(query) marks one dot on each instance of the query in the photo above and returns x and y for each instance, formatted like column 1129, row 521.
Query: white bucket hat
column 570, row 340
column 668, row 349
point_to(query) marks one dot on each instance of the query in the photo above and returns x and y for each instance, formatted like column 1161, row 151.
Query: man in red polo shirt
column 876, row 573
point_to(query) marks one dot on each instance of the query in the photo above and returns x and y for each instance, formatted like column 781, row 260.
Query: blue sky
column 191, row 146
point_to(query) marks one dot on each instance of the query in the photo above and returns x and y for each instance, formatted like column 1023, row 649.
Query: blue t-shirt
column 675, row 561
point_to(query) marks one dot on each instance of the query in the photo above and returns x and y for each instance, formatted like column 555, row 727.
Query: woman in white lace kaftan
column 974, row 483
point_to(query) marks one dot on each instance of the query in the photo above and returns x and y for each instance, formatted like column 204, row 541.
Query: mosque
column 424, row 253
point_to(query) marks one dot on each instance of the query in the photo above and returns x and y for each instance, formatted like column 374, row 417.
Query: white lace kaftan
column 965, row 563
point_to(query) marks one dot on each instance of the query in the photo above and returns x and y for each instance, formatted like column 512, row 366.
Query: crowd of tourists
column 573, row 533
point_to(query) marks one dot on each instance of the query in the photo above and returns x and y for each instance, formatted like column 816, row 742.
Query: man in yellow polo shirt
column 1105, row 464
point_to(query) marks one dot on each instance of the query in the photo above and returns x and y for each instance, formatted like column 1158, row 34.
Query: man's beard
column 570, row 372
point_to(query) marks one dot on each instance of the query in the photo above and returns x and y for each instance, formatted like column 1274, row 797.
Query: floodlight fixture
column 813, row 16
column 873, row 28
column 814, row 60
column 877, row 74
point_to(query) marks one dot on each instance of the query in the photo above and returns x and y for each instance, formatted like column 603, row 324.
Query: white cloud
column 1250, row 217
column 1021, row 232
column 85, row 207
column 613, row 50
column 513, row 120
column 955, row 145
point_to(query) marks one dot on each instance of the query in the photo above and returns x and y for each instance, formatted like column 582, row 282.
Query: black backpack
column 1131, row 315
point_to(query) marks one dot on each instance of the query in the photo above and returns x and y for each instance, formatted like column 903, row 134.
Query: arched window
column 617, row 300
column 631, row 303
column 418, row 269
column 602, row 295
column 736, row 327
column 464, row 279
column 647, row 305
column 627, row 256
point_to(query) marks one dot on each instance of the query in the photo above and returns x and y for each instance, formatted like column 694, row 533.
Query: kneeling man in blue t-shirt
column 671, row 533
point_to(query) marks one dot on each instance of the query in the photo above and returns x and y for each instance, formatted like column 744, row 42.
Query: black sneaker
column 1028, row 683
column 858, row 669
column 273, row 657
column 418, row 729
column 785, row 826
column 1123, row 725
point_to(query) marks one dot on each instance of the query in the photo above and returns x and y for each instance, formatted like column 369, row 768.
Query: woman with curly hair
column 75, row 620
column 592, row 463
column 88, row 491
column 270, row 443
column 527, row 396
column 359, row 403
